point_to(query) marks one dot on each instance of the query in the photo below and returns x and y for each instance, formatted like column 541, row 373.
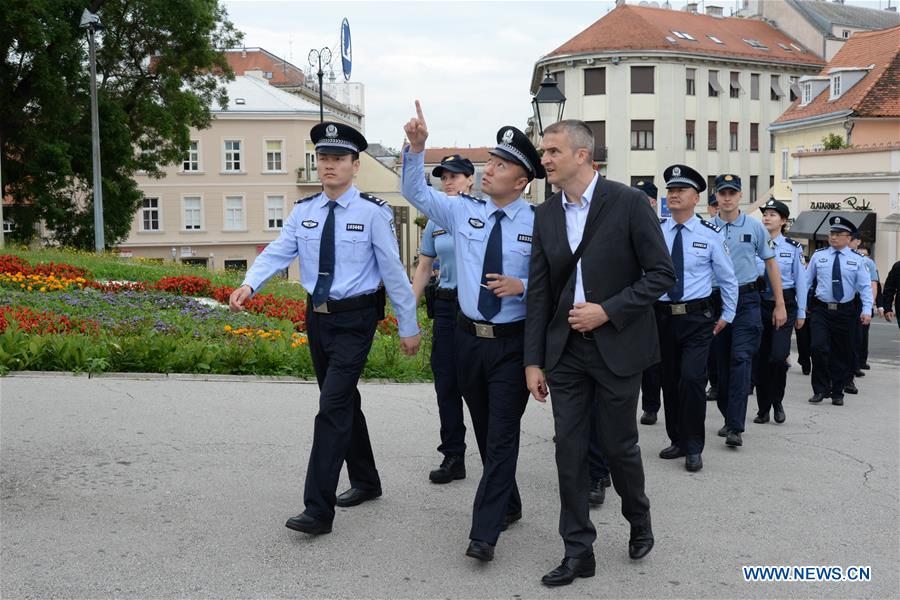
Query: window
column 775, row 92
column 753, row 192
column 193, row 212
column 7, row 226
column 192, row 161
column 233, row 155
column 641, row 80
column 684, row 36
column 754, row 137
column 715, row 39
column 784, row 164
column 274, row 212
column 835, row 86
column 274, row 152
column 149, row 215
column 807, row 93
column 642, row 135
column 312, row 172
column 599, row 129
column 235, row 265
column 560, row 77
column 234, row 213
column 595, row 81
column 733, row 136
column 772, row 143
column 712, row 133
column 754, row 86
column 771, row 182
column 714, row 87
column 735, row 85
column 756, row 44
column 689, row 135
column 783, row 47
column 845, row 34
column 794, row 87
column 690, row 86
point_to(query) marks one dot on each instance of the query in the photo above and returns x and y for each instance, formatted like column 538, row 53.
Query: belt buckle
column 678, row 309
column 321, row 309
column 588, row 335
column 832, row 306
column 484, row 330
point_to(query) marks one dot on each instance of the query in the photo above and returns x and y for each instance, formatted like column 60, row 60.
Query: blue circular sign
column 346, row 50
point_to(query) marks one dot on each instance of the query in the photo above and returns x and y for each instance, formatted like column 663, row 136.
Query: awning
column 775, row 87
column 714, row 81
column 813, row 224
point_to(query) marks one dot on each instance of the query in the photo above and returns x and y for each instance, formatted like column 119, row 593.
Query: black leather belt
column 749, row 287
column 445, row 293
column 354, row 303
column 683, row 308
column 484, row 329
column 832, row 305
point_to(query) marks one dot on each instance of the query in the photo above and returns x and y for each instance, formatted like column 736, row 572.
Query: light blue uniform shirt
column 789, row 256
column 854, row 275
column 873, row 270
column 366, row 252
column 746, row 239
column 705, row 261
column 438, row 243
column 576, row 219
column 469, row 222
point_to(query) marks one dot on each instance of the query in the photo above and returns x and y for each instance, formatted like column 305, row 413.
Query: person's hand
column 799, row 324
column 865, row 319
column 537, row 385
column 416, row 130
column 779, row 316
column 587, row 316
column 503, row 286
column 720, row 325
column 888, row 315
column 410, row 345
column 238, row 297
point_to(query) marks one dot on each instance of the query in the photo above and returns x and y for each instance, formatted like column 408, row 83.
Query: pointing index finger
column 419, row 111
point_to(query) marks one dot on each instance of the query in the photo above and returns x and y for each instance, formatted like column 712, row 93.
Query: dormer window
column 684, row 36
column 715, row 39
column 835, row 87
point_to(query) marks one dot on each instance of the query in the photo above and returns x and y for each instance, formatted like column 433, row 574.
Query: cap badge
column 771, row 203
column 508, row 136
column 728, row 178
column 331, row 131
column 448, row 159
column 837, row 219
column 676, row 171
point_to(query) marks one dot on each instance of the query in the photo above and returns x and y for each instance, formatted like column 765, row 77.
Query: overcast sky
column 470, row 63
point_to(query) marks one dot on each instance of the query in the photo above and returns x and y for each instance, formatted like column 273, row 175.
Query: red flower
column 31, row 321
column 185, row 285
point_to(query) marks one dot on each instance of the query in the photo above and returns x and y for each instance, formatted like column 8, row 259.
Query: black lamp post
column 321, row 57
column 548, row 103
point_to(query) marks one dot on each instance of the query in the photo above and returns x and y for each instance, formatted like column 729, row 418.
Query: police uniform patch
column 372, row 198
column 676, row 171
column 310, row 224
column 852, row 263
column 794, row 243
column 355, row 227
column 786, row 255
column 746, row 238
column 438, row 232
column 771, row 243
column 476, row 223
column 701, row 245
column 508, row 136
column 331, row 131
column 707, row 224
column 524, row 238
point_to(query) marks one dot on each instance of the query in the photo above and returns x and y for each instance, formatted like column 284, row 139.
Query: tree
column 833, row 141
column 159, row 71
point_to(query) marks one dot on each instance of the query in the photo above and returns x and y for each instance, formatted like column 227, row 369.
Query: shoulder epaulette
column 794, row 243
column 372, row 198
column 858, row 253
column 823, row 248
column 663, row 220
column 712, row 226
column 473, row 198
column 533, row 207
column 308, row 198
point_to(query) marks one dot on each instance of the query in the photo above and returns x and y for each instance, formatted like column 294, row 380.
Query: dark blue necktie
column 837, row 282
column 326, row 259
column 488, row 302
column 677, row 290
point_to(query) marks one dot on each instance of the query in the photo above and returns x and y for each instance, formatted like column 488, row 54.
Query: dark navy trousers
column 735, row 346
column 443, row 365
column 771, row 361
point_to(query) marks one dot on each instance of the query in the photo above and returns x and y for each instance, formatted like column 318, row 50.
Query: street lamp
column 91, row 22
column 322, row 57
column 548, row 103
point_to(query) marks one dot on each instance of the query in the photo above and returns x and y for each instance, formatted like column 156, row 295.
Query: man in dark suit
column 590, row 327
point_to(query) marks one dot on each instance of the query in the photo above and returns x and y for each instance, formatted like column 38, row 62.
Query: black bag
column 430, row 294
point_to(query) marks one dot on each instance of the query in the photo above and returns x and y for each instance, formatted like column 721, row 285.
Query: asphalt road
column 170, row 488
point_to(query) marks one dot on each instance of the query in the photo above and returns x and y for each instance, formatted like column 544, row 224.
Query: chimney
column 691, row 7
column 714, row 11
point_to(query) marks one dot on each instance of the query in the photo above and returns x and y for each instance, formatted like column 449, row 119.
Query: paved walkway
column 172, row 487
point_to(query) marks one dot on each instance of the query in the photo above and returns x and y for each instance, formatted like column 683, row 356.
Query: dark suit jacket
column 626, row 267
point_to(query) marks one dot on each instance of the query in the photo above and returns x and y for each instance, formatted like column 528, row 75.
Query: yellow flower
column 43, row 289
column 228, row 328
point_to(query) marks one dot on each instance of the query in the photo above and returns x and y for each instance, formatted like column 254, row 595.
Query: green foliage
column 833, row 141
column 144, row 104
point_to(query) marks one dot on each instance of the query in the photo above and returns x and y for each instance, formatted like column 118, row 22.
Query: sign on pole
column 346, row 50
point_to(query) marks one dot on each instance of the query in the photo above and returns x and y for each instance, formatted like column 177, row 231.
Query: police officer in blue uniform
column 493, row 249
column 771, row 361
column 347, row 247
column 685, row 316
column 861, row 332
column 456, row 174
column 650, row 380
column 838, row 274
column 746, row 239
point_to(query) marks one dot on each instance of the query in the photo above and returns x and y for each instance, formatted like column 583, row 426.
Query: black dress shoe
column 597, row 493
column 850, row 388
column 779, row 413
column 569, row 569
column 509, row 519
column 693, row 463
column 761, row 418
column 353, row 496
column 606, row 481
column 648, row 418
column 734, row 439
column 453, row 467
column 723, row 432
column 837, row 400
column 480, row 550
column 865, row 367
column 672, row 451
column 816, row 398
column 641, row 541
column 858, row 373
column 306, row 524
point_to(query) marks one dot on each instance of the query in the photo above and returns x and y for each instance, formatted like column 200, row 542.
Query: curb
column 190, row 377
